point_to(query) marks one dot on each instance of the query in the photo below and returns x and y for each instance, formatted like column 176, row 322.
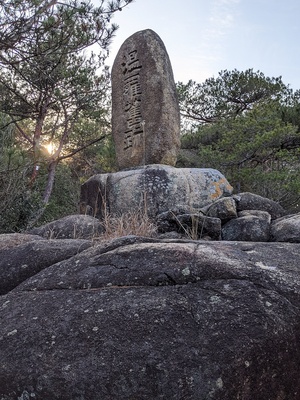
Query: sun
column 50, row 148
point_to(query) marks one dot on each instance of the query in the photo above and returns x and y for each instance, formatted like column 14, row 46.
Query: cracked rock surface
column 136, row 318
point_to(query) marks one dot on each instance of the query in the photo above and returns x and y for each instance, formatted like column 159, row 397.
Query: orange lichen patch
column 221, row 186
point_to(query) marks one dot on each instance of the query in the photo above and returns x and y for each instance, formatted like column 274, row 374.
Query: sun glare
column 50, row 148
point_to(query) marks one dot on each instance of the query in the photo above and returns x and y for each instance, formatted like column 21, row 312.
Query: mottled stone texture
column 157, row 187
column 27, row 259
column 286, row 229
column 144, row 319
column 70, row 227
column 145, row 111
column 251, row 201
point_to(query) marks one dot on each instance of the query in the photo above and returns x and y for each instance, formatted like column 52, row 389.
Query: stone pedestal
column 156, row 188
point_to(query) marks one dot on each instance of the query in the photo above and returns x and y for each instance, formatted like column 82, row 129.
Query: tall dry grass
column 131, row 223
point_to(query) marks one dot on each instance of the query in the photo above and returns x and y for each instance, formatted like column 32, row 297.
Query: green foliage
column 99, row 156
column 95, row 159
column 257, row 151
column 72, row 23
column 65, row 195
column 20, row 201
column 247, row 126
column 227, row 96
column 291, row 112
column 14, row 165
column 51, row 82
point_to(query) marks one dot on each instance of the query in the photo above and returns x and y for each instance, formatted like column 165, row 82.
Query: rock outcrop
column 187, row 202
column 23, row 261
column 137, row 318
column 158, row 188
column 132, row 318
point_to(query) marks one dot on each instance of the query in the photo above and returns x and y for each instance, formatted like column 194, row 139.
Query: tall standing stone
column 145, row 111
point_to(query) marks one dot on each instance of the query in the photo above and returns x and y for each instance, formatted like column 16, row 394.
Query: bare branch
column 82, row 148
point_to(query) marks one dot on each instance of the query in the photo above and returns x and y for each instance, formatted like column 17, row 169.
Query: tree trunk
column 46, row 195
column 50, row 181
column 37, row 141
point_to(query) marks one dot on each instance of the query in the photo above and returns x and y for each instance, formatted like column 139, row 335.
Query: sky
column 204, row 37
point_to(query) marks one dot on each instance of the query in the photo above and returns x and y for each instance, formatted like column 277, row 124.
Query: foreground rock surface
column 138, row 318
column 23, row 261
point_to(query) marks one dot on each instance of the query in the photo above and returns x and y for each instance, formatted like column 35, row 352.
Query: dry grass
column 195, row 230
column 132, row 223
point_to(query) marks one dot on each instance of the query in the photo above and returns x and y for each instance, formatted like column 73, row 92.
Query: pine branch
column 81, row 148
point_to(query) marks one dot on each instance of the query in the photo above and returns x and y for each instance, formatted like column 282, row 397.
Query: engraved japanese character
column 130, row 62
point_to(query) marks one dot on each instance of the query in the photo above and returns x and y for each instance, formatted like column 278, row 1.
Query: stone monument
column 146, row 132
column 145, row 111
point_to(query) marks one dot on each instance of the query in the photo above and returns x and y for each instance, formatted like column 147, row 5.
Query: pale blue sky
column 204, row 37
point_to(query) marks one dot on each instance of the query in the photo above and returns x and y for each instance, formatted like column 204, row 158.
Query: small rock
column 224, row 208
column 197, row 226
column 251, row 201
column 70, row 227
column 249, row 228
column 286, row 229
column 256, row 213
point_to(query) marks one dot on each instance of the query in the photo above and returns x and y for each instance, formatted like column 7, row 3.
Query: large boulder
column 139, row 318
column 156, row 188
column 93, row 196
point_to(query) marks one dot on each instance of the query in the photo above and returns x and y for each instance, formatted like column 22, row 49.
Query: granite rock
column 145, row 110
column 140, row 318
